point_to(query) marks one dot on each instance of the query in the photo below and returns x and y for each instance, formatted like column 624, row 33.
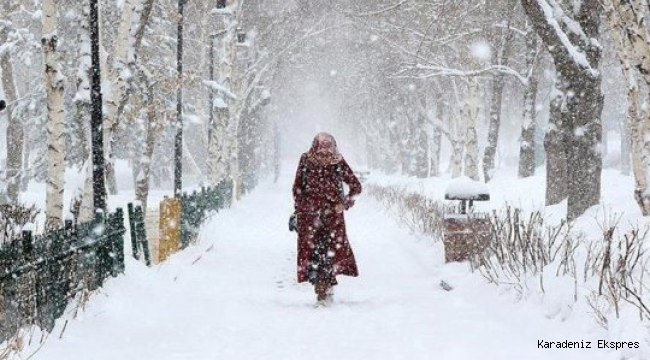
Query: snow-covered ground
column 234, row 296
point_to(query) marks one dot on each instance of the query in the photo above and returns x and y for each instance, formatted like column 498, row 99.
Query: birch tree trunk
column 134, row 19
column 436, row 145
column 634, row 52
column 528, row 126
column 83, row 105
column 626, row 143
column 119, row 76
column 15, row 133
column 489, row 155
column 456, row 134
column 219, row 149
column 436, row 137
column 471, row 110
column 237, row 87
column 54, row 86
column 142, row 179
column 500, row 57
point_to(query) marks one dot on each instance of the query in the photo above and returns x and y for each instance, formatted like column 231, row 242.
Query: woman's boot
column 321, row 289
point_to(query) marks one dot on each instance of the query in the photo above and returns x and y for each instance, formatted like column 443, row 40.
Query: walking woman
column 323, row 248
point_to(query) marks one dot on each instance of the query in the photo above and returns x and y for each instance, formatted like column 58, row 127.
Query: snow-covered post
column 54, row 89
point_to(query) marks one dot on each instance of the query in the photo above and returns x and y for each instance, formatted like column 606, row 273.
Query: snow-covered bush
column 13, row 218
column 552, row 262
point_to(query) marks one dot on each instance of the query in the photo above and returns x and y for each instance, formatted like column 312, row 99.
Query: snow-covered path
column 234, row 296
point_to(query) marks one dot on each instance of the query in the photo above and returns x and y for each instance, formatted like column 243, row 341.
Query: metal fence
column 139, row 243
column 40, row 275
column 196, row 206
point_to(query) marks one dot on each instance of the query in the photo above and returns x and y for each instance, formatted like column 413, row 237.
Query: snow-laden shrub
column 418, row 213
column 553, row 262
column 13, row 219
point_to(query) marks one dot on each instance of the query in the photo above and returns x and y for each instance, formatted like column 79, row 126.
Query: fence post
column 141, row 234
column 186, row 219
column 215, row 195
column 24, row 297
column 117, row 241
column 98, row 231
column 134, row 238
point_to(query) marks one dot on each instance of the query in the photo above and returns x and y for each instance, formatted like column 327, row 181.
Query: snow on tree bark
column 133, row 19
column 571, row 37
column 528, row 126
column 142, row 180
column 556, row 161
column 633, row 50
column 489, row 156
column 219, row 148
column 84, row 108
column 434, row 133
column 436, row 141
column 15, row 132
column 54, row 86
column 470, row 111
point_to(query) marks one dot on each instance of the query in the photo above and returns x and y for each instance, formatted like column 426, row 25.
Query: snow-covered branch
column 219, row 88
column 377, row 12
column 552, row 33
column 430, row 71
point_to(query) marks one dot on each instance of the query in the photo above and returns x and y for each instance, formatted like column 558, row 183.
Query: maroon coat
column 315, row 193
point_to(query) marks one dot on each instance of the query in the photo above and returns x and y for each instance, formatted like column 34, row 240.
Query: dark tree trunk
column 581, row 124
column 178, row 139
column 584, row 135
column 99, row 187
column 556, row 156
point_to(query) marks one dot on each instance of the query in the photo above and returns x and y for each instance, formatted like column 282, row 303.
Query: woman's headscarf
column 323, row 150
